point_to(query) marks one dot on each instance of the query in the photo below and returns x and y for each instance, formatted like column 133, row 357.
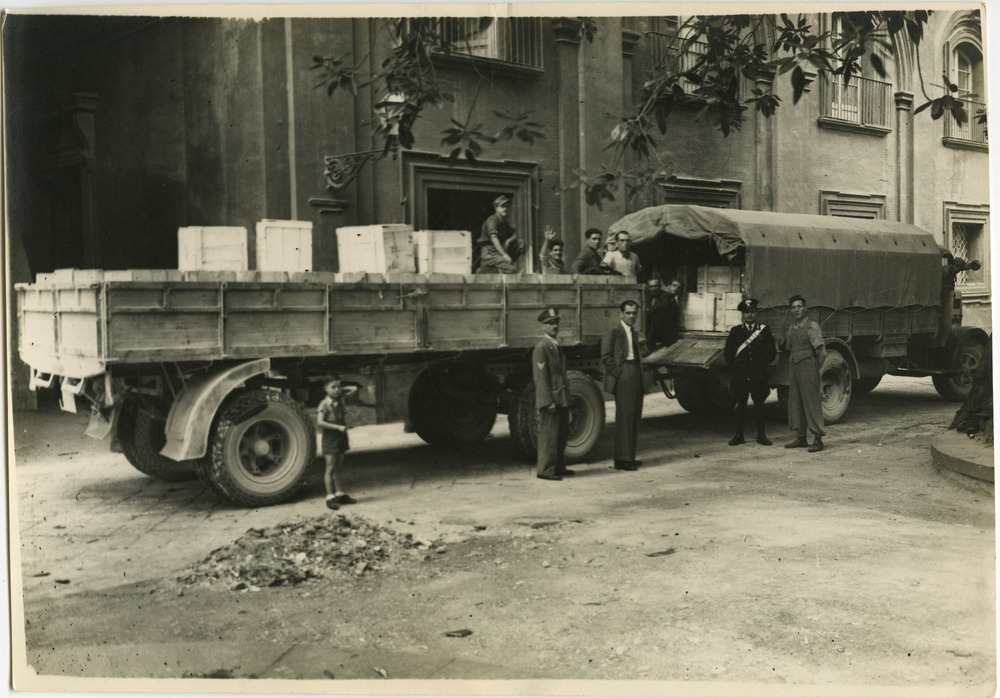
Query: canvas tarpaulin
column 832, row 261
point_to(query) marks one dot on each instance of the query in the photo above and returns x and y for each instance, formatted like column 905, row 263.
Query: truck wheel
column 146, row 422
column 955, row 386
column 866, row 384
column 126, row 434
column 523, row 422
column 688, row 395
column 835, row 387
column 260, row 448
column 586, row 418
column 586, row 415
column 452, row 407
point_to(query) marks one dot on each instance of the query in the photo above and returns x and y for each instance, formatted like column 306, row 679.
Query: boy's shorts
column 334, row 442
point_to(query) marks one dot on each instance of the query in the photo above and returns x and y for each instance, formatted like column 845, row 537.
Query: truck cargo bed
column 78, row 322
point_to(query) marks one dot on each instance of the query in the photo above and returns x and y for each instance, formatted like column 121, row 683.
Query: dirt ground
column 712, row 570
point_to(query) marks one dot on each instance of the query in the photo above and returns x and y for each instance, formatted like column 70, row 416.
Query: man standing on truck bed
column 620, row 260
column 548, row 368
column 498, row 243
column 749, row 352
column 807, row 352
column 663, row 321
column 623, row 379
column 589, row 259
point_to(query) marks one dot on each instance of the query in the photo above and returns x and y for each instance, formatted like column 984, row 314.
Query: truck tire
column 141, row 432
column 586, row 418
column 523, row 422
column 703, row 394
column 835, row 386
column 867, row 384
column 955, row 386
column 260, row 448
column 452, row 407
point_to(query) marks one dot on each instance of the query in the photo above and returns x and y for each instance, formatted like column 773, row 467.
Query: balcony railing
column 665, row 53
column 971, row 131
column 862, row 101
column 516, row 41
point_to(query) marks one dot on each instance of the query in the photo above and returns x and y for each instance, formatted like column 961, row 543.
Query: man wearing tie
column 623, row 379
column 548, row 367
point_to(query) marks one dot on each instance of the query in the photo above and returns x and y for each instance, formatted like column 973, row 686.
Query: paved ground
column 856, row 571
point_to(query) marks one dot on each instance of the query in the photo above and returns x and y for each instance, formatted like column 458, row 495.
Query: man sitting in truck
column 499, row 246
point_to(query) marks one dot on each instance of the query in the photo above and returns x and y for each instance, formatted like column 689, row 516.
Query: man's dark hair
column 622, row 232
column 797, row 297
column 330, row 378
column 593, row 231
column 556, row 242
column 626, row 304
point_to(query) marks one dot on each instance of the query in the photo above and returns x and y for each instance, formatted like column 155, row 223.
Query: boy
column 331, row 420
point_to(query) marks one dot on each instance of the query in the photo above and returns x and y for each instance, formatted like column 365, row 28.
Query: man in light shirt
column 622, row 260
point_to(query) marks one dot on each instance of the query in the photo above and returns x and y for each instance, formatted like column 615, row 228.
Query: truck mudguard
column 845, row 349
column 191, row 415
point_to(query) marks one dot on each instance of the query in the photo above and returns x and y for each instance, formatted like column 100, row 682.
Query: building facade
column 123, row 129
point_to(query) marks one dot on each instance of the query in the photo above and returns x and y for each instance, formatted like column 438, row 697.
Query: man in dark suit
column 548, row 367
column 623, row 379
column 663, row 321
column 750, row 349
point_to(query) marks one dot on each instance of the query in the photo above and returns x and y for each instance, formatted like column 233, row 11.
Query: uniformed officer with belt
column 548, row 368
column 750, row 349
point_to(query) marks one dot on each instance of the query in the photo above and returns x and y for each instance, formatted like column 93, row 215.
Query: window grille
column 862, row 101
column 516, row 40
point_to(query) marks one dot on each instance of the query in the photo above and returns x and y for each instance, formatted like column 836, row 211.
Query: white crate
column 212, row 248
column 284, row 245
column 699, row 312
column 376, row 249
column 443, row 251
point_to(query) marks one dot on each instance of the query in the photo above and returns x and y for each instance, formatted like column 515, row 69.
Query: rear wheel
column 453, row 406
column 586, row 417
column 955, row 386
column 143, row 434
column 835, row 387
column 260, row 448
column 866, row 384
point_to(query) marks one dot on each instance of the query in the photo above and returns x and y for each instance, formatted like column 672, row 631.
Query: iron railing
column 971, row 130
column 515, row 40
column 861, row 101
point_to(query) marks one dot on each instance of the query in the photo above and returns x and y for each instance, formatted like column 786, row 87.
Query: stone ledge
column 955, row 453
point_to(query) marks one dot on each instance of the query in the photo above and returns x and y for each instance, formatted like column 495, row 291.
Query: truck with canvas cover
column 208, row 373
column 880, row 291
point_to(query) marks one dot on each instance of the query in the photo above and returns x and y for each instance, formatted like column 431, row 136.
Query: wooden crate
column 212, row 248
column 284, row 245
column 443, row 251
column 376, row 249
column 699, row 312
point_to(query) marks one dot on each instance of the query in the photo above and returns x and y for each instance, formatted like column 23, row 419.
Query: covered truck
column 879, row 290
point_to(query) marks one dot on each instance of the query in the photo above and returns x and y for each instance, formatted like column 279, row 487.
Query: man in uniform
column 548, row 367
column 589, row 259
column 623, row 379
column 498, row 243
column 750, row 349
column 663, row 322
column 807, row 352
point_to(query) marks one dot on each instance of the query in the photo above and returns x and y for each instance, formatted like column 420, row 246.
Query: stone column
column 904, row 157
column 764, row 191
column 567, row 33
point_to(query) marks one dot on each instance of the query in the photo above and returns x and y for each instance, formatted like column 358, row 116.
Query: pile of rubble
column 290, row 553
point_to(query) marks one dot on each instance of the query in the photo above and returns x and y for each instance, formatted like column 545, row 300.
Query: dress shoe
column 549, row 477
column 763, row 440
column 330, row 504
column 817, row 445
column 737, row 440
column 635, row 463
column 565, row 472
column 798, row 443
column 625, row 465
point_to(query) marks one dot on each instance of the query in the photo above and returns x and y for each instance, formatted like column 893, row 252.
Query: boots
column 737, row 440
column 800, row 442
column 817, row 445
column 762, row 437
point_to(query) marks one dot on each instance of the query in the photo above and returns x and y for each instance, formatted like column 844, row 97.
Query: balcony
column 971, row 135
column 514, row 42
column 862, row 106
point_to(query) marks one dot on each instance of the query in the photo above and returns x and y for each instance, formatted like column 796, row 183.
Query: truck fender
column 191, row 414
column 957, row 339
column 845, row 349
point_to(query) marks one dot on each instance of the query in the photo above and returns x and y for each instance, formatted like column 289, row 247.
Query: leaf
column 798, row 83
column 877, row 64
column 922, row 107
